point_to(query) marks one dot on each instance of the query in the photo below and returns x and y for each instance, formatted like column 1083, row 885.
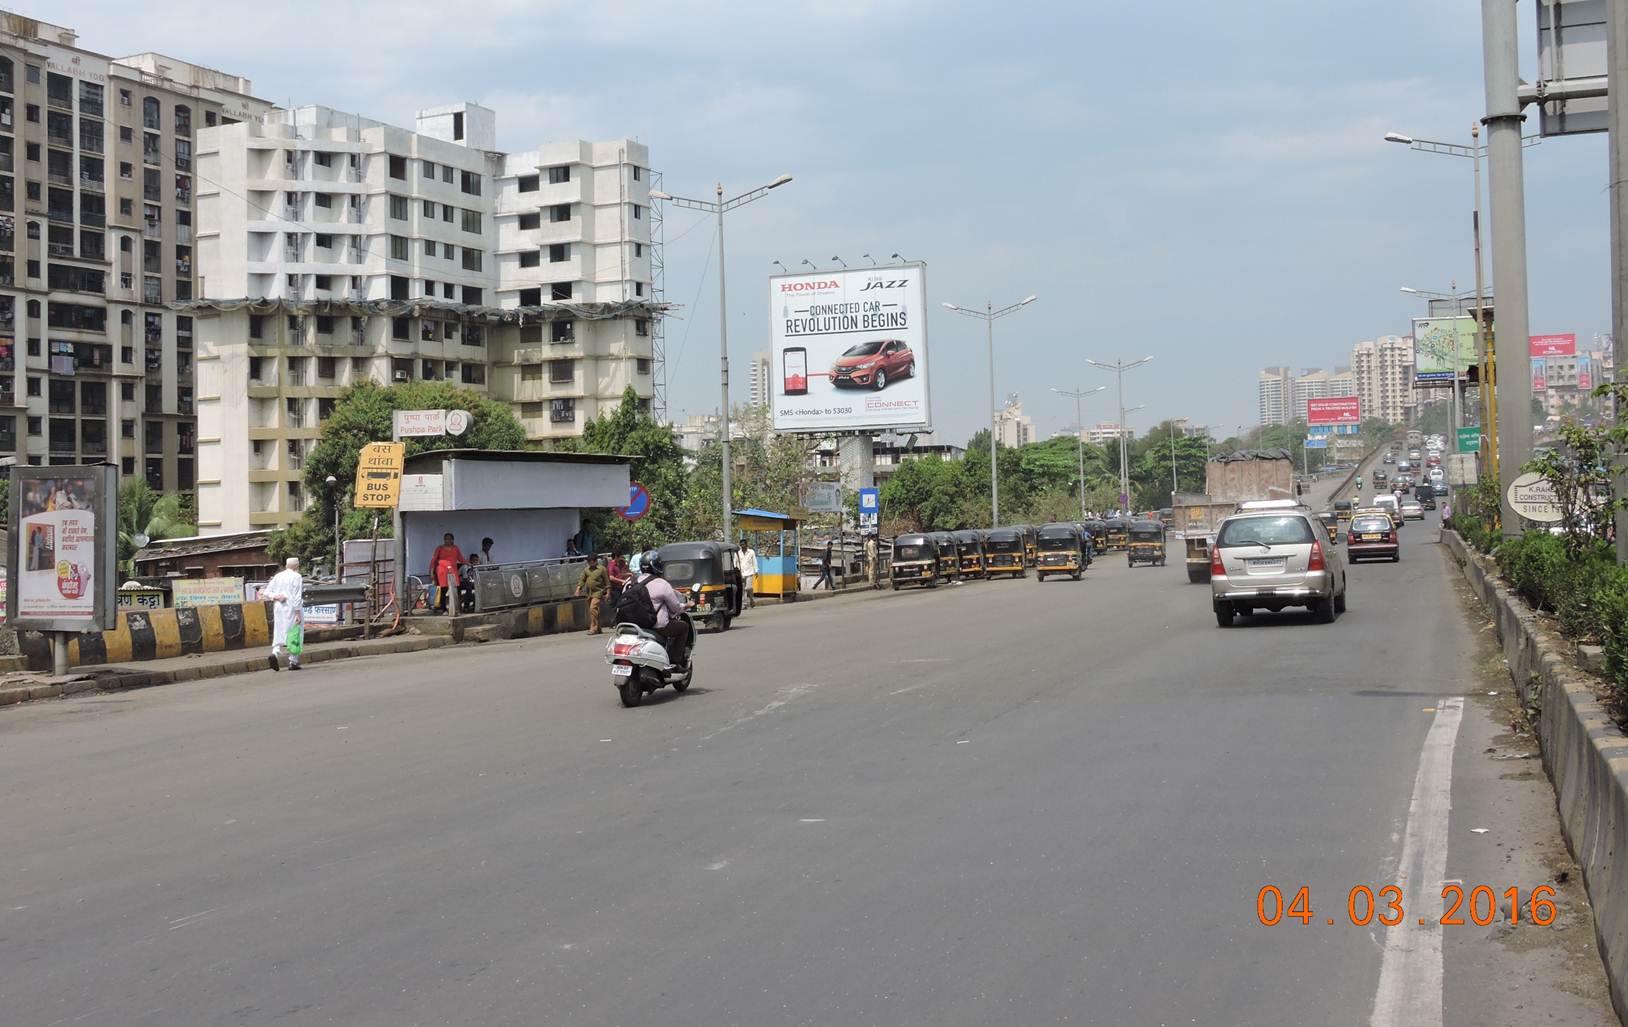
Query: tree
column 143, row 510
column 1579, row 469
column 657, row 463
column 362, row 415
column 768, row 471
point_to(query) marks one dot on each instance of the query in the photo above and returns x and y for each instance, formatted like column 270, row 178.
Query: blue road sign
column 869, row 500
column 1316, row 442
column 638, row 502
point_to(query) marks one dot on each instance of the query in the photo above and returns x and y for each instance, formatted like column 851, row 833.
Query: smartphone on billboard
column 794, row 363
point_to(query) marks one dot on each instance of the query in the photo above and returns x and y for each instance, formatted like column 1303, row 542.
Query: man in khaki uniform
column 595, row 584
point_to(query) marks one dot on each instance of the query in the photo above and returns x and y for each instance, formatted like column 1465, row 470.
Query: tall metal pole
column 1488, row 458
column 723, row 363
column 1079, row 443
column 1616, row 58
column 1508, row 195
column 994, row 439
column 1173, row 488
column 1124, row 476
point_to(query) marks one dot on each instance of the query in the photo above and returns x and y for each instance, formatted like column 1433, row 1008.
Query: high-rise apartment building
column 1274, row 391
column 1383, row 373
column 1012, row 427
column 1312, row 384
column 335, row 250
column 96, row 161
column 758, row 379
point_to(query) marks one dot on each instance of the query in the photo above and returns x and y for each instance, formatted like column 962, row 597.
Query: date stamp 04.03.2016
column 1480, row 905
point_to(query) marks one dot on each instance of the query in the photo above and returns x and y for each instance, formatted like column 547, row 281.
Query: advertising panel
column 823, row 497
column 1540, row 376
column 1334, row 410
column 62, row 573
column 1553, row 345
column 1585, row 374
column 849, row 349
column 1434, row 340
column 206, row 591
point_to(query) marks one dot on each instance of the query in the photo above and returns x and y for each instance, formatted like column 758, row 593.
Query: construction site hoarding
column 850, row 350
column 1334, row 410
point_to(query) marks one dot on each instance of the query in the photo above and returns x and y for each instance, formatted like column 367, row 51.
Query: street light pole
column 989, row 314
column 1079, row 432
column 339, row 560
column 1119, row 367
column 720, row 206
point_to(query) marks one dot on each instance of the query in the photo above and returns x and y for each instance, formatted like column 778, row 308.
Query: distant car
column 1439, row 487
column 873, row 364
column 1370, row 536
column 1379, row 477
column 1390, row 458
column 1270, row 559
column 1412, row 509
column 1425, row 495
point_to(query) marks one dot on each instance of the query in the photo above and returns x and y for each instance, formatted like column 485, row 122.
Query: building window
column 562, row 411
column 530, row 258
column 398, row 207
column 151, row 116
column 447, row 212
column 322, row 158
column 638, row 212
column 472, row 221
column 562, row 372
column 638, row 288
column 559, row 174
column 257, row 326
column 636, row 172
column 469, row 182
column 474, row 374
column 183, row 121
column 641, row 326
column 127, row 171
column 531, row 221
column 401, row 329
column 531, row 372
column 562, row 331
column 638, row 249
column 324, row 242
column 530, row 183
column 124, row 98
column 398, row 247
column 561, row 291
column 457, row 124
column 472, row 259
column 642, row 365
column 323, row 199
column 559, row 212
column 398, row 166
column 559, row 252
column 429, row 247
column 428, row 168
column 429, row 209
column 446, row 173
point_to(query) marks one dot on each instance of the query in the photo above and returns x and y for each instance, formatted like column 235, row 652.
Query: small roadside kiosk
column 774, row 536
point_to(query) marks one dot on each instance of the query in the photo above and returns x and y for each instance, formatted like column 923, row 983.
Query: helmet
column 651, row 563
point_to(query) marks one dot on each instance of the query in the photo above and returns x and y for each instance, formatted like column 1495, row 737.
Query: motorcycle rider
column 670, row 624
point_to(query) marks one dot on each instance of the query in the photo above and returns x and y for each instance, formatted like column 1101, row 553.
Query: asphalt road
column 996, row 803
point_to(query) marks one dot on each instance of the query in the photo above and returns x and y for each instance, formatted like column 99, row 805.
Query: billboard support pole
column 59, row 653
column 723, row 364
column 1508, row 197
column 1616, row 58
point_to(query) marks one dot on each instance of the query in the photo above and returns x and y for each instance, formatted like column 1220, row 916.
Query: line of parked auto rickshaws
column 1058, row 548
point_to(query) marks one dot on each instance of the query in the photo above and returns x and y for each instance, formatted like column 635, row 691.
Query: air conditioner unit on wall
column 401, row 376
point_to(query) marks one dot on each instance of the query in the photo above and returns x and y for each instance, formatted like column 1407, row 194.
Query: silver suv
column 1266, row 559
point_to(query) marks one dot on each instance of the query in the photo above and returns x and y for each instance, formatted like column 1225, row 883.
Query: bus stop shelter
column 774, row 536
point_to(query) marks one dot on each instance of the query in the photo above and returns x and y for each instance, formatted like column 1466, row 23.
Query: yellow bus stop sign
column 378, row 475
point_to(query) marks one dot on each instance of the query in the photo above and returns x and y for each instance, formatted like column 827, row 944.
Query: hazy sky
column 1201, row 181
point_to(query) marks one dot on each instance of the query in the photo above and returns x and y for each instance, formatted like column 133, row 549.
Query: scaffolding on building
column 658, row 288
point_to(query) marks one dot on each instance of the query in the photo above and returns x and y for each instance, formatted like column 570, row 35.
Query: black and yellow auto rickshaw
column 1099, row 535
column 914, row 562
column 1059, row 551
column 1145, row 543
column 1028, row 542
column 1331, row 524
column 1117, row 533
column 969, row 546
column 707, row 576
column 949, row 557
column 1003, row 552
column 1087, row 546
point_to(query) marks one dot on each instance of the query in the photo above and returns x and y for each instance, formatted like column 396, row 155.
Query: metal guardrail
column 520, row 584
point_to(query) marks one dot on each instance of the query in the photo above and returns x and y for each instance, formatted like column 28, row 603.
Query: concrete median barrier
column 1584, row 752
column 159, row 635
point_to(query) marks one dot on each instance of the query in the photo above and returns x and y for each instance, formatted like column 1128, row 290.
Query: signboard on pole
column 1553, row 345
column 378, row 475
column 1571, row 50
column 1461, row 468
column 1434, row 342
column 408, row 424
column 1316, row 442
column 1585, row 373
column 1469, row 439
column 206, row 591
column 823, row 497
column 62, row 562
column 1334, row 410
column 1540, row 375
column 849, row 350
column 870, row 508
column 1534, row 498
column 638, row 503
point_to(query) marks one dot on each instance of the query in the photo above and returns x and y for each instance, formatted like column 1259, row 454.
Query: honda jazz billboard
column 850, row 350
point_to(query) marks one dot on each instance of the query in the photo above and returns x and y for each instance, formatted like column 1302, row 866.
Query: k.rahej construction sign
column 61, row 567
column 849, row 349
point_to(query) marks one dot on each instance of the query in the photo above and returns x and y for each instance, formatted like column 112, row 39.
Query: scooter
column 639, row 664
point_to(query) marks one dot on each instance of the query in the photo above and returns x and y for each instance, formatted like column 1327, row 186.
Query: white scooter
column 639, row 664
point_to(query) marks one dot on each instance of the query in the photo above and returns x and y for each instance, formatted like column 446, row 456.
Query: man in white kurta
column 286, row 590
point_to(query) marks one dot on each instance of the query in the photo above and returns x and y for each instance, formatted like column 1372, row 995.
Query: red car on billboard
column 873, row 364
column 1334, row 410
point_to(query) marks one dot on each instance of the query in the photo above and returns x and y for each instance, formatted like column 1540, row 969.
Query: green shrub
column 1576, row 596
column 1535, row 565
column 1475, row 534
column 1611, row 609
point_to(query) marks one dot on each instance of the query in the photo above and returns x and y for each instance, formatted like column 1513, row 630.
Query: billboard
column 1434, row 340
column 1585, row 374
column 62, row 562
column 1553, row 345
column 1540, row 375
column 849, row 350
column 1334, row 410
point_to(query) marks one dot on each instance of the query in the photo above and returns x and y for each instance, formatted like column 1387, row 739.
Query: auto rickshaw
column 1145, row 543
column 1059, row 551
column 969, row 545
column 1029, row 548
column 1087, row 546
column 1331, row 524
column 949, row 557
column 1117, row 533
column 1003, row 552
column 914, row 562
column 1099, row 535
column 708, row 577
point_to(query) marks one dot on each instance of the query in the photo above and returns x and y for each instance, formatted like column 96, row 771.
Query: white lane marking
column 189, row 920
column 784, row 696
column 1410, row 978
column 718, row 865
column 812, row 820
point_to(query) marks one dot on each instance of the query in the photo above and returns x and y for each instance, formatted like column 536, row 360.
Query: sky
column 1204, row 183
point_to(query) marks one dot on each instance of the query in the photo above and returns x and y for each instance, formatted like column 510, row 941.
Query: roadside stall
column 774, row 536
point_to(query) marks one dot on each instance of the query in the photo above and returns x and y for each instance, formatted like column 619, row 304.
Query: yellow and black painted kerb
column 159, row 634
